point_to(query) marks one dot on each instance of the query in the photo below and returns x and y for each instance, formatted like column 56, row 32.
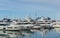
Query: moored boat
column 56, row 24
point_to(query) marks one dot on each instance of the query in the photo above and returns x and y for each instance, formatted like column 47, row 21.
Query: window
column 15, row 27
column 9, row 27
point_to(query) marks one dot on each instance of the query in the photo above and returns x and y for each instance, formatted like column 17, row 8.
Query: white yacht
column 9, row 27
column 36, row 26
column 19, row 24
column 15, row 24
column 56, row 24
column 27, row 23
column 3, row 25
column 44, row 21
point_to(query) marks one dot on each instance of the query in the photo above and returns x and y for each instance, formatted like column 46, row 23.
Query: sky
column 23, row 8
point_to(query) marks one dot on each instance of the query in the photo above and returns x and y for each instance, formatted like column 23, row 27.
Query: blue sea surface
column 42, row 33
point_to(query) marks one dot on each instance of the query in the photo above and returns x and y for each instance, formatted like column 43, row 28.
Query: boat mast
column 36, row 14
column 35, row 17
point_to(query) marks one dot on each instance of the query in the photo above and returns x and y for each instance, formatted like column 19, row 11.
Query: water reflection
column 42, row 33
column 14, row 34
column 57, row 30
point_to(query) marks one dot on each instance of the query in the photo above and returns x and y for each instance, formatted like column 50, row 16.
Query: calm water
column 43, row 33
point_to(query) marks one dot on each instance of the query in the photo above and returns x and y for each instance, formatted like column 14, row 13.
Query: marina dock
column 28, row 23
